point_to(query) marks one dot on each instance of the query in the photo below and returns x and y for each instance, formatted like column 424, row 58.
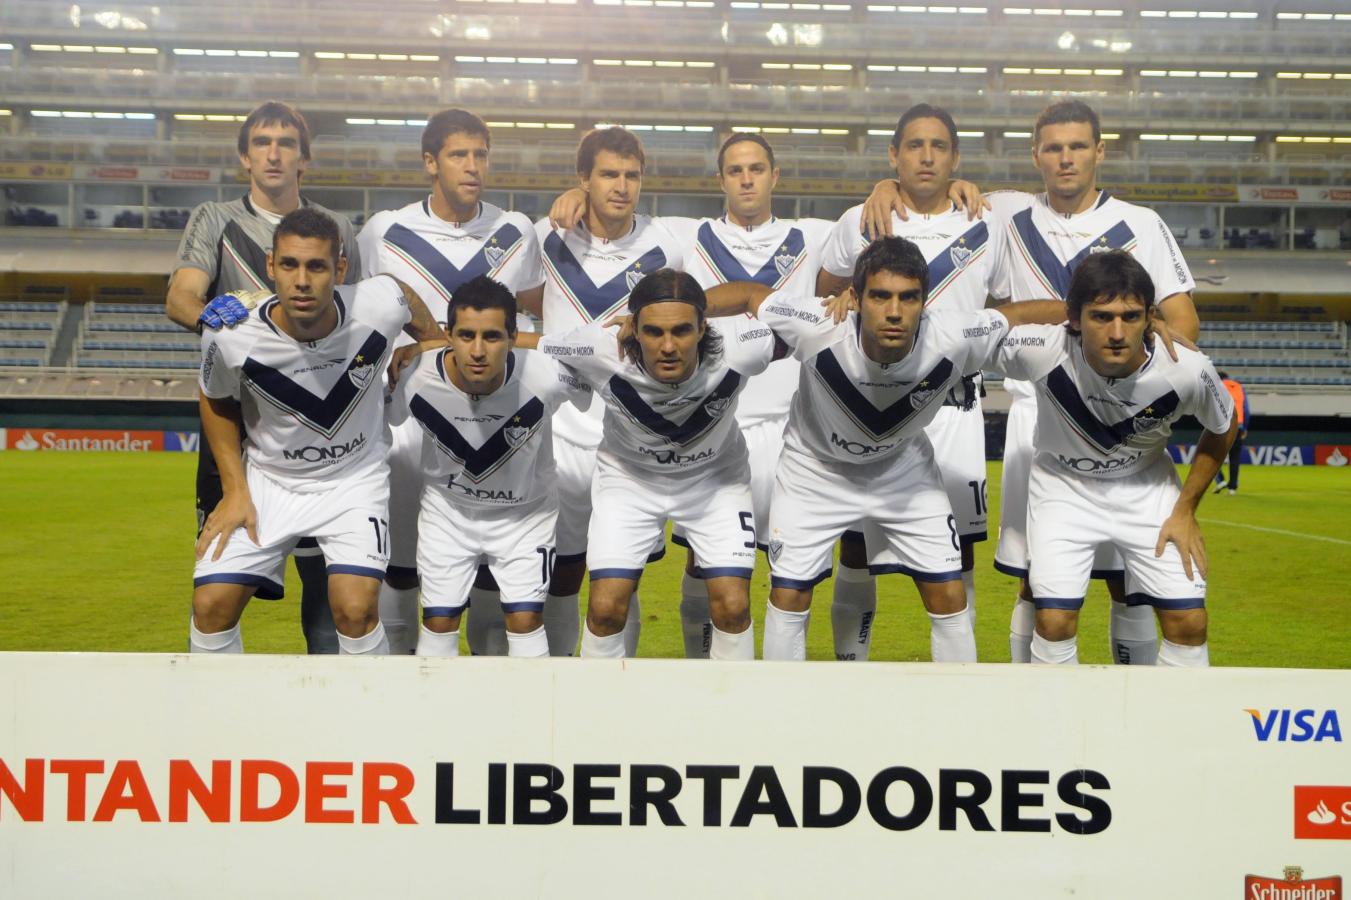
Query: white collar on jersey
column 748, row 228
column 427, row 208
column 633, row 226
column 952, row 207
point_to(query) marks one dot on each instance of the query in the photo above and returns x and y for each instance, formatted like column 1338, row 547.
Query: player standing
column 435, row 245
column 488, row 469
column 292, row 406
column 1106, row 395
column 964, row 258
column 589, row 270
column 223, row 250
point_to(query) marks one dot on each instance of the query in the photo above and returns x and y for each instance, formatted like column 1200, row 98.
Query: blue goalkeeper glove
column 228, row 310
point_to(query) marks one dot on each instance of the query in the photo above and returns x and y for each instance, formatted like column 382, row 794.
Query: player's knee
column 525, row 621
column 217, row 608
column 790, row 599
column 441, row 624
column 853, row 551
column 355, row 605
column 1185, row 626
column 1057, row 624
column 608, row 606
column 942, row 598
column 729, row 606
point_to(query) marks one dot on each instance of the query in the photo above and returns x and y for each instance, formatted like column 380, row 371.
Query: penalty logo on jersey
column 515, row 433
column 783, row 261
column 960, row 254
column 921, row 394
column 361, row 372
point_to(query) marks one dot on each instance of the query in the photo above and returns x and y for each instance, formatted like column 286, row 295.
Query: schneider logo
column 1298, row 725
column 1292, row 886
column 1322, row 813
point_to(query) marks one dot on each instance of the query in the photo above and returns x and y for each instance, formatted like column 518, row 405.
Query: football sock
column 785, row 633
column 1063, row 653
column 1171, row 654
column 1021, row 626
column 532, row 643
column 487, row 627
column 969, row 583
column 723, row 645
column 633, row 626
column 611, row 646
column 399, row 613
column 435, row 643
column 376, row 643
column 695, row 624
column 1135, row 637
column 227, row 641
column 852, row 611
column 562, row 622
column 951, row 639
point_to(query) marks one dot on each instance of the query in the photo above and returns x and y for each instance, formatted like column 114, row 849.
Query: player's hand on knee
column 1184, row 531
column 968, row 198
column 877, row 209
column 839, row 306
column 568, row 209
column 1160, row 327
column 228, row 310
column 235, row 510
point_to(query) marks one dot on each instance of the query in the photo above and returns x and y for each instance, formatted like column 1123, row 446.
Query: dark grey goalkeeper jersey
column 230, row 241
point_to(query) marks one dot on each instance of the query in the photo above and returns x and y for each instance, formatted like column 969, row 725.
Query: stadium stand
column 27, row 332
column 133, row 335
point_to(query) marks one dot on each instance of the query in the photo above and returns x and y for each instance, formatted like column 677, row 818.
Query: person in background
column 1236, row 451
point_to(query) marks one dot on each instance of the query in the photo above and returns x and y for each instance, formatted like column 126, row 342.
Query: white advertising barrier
column 168, row 776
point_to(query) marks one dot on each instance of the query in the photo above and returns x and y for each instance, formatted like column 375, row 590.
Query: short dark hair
column 891, row 254
column 740, row 137
column 659, row 287
column 448, row 122
column 1063, row 112
column 617, row 140
column 1110, row 275
column 924, row 111
column 480, row 293
column 308, row 222
column 274, row 112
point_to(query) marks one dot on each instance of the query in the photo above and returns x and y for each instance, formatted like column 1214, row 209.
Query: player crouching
column 292, row 409
column 1106, row 398
column 489, row 489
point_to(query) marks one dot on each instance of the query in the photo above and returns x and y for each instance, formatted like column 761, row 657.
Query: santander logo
column 1323, row 813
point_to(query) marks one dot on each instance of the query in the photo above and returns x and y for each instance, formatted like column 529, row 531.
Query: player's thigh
column 1011, row 553
column 520, row 553
column 448, row 554
column 629, row 513
column 909, row 528
column 716, row 514
column 1161, row 581
column 958, row 439
column 1064, row 530
column 405, row 490
column 764, row 446
column 808, row 512
column 575, row 466
column 282, row 517
column 354, row 533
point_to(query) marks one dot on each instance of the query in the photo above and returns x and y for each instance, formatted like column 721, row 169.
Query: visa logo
column 1297, row 725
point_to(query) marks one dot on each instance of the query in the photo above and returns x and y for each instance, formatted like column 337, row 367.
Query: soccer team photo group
column 454, row 416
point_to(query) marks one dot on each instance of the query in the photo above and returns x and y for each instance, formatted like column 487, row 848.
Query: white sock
column 633, row 626
column 596, row 647
column 1021, row 626
column 399, row 614
column 1134, row 635
column 695, row 624
column 785, row 633
column 1064, row 653
column 852, row 612
column 1171, row 654
column 435, row 643
column 724, row 645
column 486, row 630
column 532, row 643
column 969, row 582
column 951, row 639
column 562, row 623
column 227, row 641
column 376, row 643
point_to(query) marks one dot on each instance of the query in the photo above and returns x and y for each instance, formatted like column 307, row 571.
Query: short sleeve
column 1162, row 259
column 747, row 344
column 368, row 246
column 567, row 387
column 530, row 265
column 801, row 323
column 197, row 249
column 396, row 406
column 973, row 336
column 217, row 378
column 1027, row 352
column 391, row 306
column 1212, row 404
column 843, row 244
column 592, row 352
column 351, row 249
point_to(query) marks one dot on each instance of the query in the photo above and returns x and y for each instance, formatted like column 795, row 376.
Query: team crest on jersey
column 634, row 275
column 717, row 407
column 515, row 433
column 783, row 261
column 921, row 394
column 1101, row 246
column 1144, row 420
column 494, row 253
column 360, row 371
column 960, row 254
column 775, row 549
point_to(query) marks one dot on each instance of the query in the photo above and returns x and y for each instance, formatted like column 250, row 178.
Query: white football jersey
column 588, row 279
column 1109, row 427
column 783, row 254
column 313, row 410
column 435, row 257
column 494, row 449
column 651, row 426
column 963, row 256
column 850, row 409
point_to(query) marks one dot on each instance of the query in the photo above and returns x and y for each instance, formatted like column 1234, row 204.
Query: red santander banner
column 79, row 440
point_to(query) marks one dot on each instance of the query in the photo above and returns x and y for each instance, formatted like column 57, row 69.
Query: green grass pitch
column 97, row 555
